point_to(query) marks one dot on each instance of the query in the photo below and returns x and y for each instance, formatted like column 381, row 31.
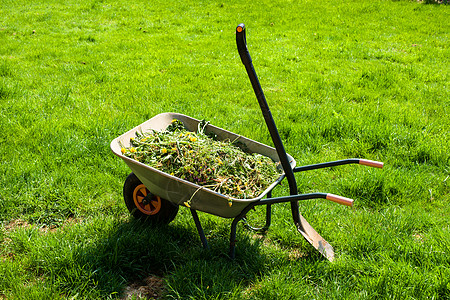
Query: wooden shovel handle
column 371, row 163
column 340, row 199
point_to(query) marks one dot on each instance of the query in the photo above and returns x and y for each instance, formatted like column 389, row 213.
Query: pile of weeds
column 202, row 159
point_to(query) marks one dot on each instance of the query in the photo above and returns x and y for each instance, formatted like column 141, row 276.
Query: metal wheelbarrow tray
column 155, row 195
column 178, row 190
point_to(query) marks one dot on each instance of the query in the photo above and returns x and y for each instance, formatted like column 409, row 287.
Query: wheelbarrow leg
column 234, row 225
column 233, row 237
column 268, row 218
column 199, row 228
column 241, row 216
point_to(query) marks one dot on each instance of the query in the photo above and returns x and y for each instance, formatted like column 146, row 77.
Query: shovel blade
column 315, row 239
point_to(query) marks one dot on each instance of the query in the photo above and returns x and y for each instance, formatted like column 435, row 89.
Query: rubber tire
column 167, row 210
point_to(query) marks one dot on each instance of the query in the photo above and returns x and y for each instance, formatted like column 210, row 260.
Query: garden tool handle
column 340, row 199
column 241, row 41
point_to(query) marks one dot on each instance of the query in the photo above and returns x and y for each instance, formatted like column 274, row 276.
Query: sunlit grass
column 344, row 79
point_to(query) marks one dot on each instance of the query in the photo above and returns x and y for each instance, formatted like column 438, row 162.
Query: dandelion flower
column 163, row 150
column 193, row 139
column 123, row 150
column 132, row 150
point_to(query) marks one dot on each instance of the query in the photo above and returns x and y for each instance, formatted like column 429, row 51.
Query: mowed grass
column 343, row 79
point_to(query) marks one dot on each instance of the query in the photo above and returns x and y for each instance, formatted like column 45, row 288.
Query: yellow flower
column 144, row 139
column 173, row 121
column 187, row 204
column 132, row 150
column 163, row 150
column 193, row 139
column 174, row 149
column 230, row 202
column 123, row 150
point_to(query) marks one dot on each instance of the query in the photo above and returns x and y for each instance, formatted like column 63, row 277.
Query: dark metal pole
column 370, row 163
column 327, row 164
column 247, row 61
column 199, row 228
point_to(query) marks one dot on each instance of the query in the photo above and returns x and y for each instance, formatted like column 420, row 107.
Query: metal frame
column 302, row 225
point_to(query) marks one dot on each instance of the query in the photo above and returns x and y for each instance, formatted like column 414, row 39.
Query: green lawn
column 343, row 79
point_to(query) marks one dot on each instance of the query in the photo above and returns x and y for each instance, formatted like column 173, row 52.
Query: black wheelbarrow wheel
column 144, row 205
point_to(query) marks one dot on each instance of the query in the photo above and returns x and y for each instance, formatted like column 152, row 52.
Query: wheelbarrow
column 156, row 196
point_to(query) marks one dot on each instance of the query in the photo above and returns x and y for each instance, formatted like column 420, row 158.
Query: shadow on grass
column 132, row 254
column 435, row 1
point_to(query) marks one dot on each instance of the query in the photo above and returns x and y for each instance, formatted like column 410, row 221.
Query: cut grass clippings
column 199, row 158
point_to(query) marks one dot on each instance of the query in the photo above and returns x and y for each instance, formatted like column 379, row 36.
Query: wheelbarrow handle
column 371, row 163
column 339, row 199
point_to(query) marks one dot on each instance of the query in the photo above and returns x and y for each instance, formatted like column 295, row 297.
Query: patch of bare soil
column 151, row 287
column 17, row 224
column 296, row 254
column 14, row 224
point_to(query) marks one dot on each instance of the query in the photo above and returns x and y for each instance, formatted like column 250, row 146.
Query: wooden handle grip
column 340, row 199
column 371, row 163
